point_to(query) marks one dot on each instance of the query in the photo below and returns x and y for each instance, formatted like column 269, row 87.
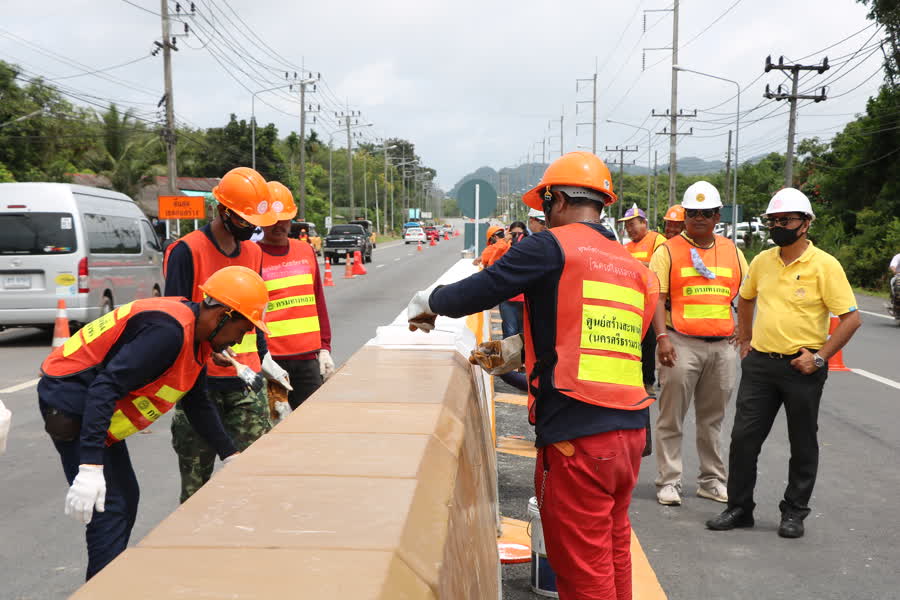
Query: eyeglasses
column 780, row 221
column 238, row 220
column 499, row 234
column 706, row 213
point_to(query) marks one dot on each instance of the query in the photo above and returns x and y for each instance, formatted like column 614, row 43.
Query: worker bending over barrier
column 120, row 373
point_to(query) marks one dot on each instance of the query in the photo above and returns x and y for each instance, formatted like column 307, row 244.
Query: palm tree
column 124, row 155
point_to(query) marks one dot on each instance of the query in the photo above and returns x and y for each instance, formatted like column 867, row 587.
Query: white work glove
column 274, row 372
column 283, row 409
column 88, row 492
column 419, row 313
column 499, row 357
column 5, row 420
column 228, row 459
column 326, row 364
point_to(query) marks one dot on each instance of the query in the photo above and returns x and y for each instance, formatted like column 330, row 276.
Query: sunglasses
column 706, row 213
column 781, row 221
column 237, row 219
column 499, row 234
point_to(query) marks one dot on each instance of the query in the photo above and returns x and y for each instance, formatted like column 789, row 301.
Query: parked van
column 91, row 247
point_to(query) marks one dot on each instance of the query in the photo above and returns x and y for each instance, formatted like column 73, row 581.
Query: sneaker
column 668, row 495
column 714, row 491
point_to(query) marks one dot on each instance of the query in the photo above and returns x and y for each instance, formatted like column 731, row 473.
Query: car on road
column 747, row 231
column 369, row 227
column 413, row 235
column 93, row 248
column 432, row 233
column 344, row 240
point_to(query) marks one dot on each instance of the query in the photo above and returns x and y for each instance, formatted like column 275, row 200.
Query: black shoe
column 730, row 519
column 791, row 526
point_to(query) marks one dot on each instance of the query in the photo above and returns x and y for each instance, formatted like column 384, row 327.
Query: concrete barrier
column 381, row 486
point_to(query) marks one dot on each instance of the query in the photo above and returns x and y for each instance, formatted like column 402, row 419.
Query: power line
column 154, row 13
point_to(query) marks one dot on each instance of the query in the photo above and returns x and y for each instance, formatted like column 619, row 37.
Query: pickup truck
column 346, row 239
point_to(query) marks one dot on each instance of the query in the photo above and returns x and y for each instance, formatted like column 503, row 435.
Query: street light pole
column 253, row 117
column 737, row 137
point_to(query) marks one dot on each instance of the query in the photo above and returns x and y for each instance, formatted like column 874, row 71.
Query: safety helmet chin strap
column 211, row 303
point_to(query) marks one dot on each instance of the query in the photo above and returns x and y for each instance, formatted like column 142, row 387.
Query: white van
column 91, row 247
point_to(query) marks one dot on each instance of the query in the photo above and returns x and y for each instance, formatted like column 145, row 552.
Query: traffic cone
column 329, row 279
column 61, row 326
column 358, row 266
column 419, row 246
column 836, row 362
column 432, row 242
column 348, row 271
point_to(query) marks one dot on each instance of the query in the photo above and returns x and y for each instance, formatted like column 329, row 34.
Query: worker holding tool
column 699, row 276
column 588, row 304
column 120, row 373
column 300, row 332
column 243, row 204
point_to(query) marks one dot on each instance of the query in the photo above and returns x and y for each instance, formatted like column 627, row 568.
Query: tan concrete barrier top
column 381, row 486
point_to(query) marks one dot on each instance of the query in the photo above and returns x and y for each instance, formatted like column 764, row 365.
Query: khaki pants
column 706, row 371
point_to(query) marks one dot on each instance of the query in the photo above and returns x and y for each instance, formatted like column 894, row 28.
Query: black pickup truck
column 343, row 240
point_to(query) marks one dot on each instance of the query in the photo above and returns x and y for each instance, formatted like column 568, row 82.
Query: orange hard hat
column 241, row 289
column 575, row 169
column 244, row 191
column 282, row 201
column 492, row 230
column 675, row 213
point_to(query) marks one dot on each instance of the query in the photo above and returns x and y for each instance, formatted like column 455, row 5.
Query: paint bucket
column 543, row 579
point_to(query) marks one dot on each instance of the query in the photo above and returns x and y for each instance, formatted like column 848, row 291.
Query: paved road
column 852, row 545
column 41, row 550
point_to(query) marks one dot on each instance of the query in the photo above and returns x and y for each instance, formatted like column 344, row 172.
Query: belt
column 777, row 355
column 707, row 339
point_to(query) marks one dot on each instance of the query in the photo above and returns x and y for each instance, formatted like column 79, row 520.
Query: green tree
column 124, row 150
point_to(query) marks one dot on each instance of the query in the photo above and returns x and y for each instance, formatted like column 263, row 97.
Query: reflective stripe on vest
column 701, row 306
column 643, row 250
column 292, row 315
column 141, row 407
column 599, row 330
column 207, row 259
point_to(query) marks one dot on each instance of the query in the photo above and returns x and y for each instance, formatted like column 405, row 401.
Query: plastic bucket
column 543, row 579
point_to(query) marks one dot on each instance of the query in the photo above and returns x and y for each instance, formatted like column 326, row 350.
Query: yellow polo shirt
column 793, row 301
column 661, row 264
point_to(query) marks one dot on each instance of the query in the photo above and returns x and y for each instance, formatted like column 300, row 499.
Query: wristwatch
column 820, row 362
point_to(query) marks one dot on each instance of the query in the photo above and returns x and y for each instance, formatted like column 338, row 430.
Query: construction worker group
column 593, row 312
column 234, row 313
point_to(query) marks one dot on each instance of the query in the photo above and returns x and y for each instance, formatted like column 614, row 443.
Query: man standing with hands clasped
column 785, row 361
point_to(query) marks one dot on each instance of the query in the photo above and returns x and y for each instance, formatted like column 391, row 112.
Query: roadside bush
column 866, row 255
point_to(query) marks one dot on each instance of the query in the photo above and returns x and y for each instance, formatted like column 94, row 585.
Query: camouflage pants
column 246, row 418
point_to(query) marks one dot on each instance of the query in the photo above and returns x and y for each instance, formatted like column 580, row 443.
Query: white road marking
column 866, row 312
column 378, row 266
column 21, row 386
column 396, row 259
column 873, row 377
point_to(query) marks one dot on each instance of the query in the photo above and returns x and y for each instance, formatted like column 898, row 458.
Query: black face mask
column 782, row 236
column 241, row 234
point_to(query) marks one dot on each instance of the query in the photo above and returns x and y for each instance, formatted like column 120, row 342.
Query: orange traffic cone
column 358, row 266
column 836, row 362
column 329, row 279
column 432, row 242
column 61, row 326
column 348, row 271
column 419, row 246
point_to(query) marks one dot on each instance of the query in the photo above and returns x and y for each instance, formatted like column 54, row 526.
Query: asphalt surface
column 851, row 550
column 42, row 553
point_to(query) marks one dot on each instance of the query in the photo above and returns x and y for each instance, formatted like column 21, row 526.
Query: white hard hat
column 790, row 200
column 536, row 214
column 701, row 194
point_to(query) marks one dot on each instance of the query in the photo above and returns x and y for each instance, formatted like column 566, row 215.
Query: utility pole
column 303, row 110
column 386, row 205
column 347, row 119
column 728, row 176
column 621, row 186
column 673, row 113
column 167, row 45
column 655, row 186
column 792, row 98
column 593, row 103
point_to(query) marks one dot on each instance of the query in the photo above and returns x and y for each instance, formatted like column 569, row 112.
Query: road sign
column 327, row 223
column 487, row 198
column 726, row 214
column 181, row 207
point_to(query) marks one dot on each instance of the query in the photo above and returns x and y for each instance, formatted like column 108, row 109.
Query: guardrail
column 382, row 485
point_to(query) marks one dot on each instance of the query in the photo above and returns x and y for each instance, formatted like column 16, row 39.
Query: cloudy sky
column 470, row 83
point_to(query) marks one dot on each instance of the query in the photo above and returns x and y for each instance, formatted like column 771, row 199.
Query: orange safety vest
column 291, row 315
column 207, row 260
column 604, row 306
column 643, row 250
column 139, row 408
column 500, row 250
column 701, row 306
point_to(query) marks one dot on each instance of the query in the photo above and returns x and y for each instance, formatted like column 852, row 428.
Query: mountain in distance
column 526, row 176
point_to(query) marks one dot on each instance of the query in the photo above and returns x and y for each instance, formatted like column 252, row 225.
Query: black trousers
column 767, row 384
column 305, row 379
column 648, row 357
